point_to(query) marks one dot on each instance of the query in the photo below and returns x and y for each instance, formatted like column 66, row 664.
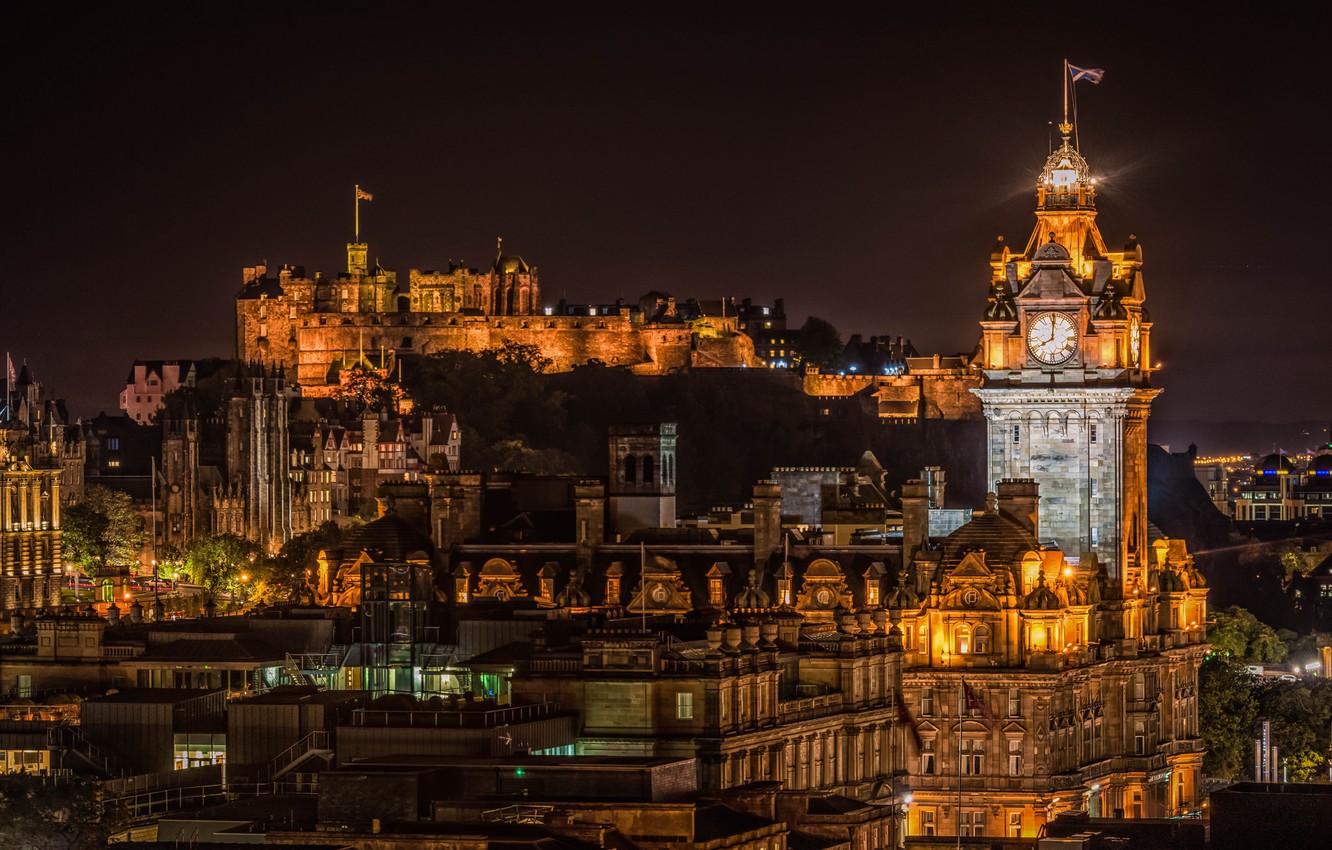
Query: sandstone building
column 315, row 326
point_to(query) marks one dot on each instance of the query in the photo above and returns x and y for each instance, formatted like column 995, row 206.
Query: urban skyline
column 855, row 169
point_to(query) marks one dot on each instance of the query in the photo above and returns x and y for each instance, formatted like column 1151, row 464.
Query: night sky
column 858, row 164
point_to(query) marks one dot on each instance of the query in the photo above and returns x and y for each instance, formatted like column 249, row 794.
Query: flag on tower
column 1091, row 75
column 9, row 368
column 362, row 195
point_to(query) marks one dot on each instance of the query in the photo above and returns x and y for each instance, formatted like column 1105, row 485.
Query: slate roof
column 237, row 649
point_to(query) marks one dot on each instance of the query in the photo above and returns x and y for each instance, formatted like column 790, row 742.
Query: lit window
column 684, row 706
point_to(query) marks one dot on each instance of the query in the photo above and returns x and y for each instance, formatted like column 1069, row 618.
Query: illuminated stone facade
column 1066, row 354
column 316, row 326
column 29, row 536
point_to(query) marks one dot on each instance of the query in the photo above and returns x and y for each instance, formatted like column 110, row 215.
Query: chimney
column 767, row 520
column 934, row 478
column 589, row 513
column 1020, row 498
column 915, row 517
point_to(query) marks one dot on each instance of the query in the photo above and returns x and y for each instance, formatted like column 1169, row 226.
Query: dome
column 1321, row 465
column 389, row 538
column 1041, row 598
column 1003, row 538
column 1274, row 464
column 1052, row 251
column 1064, row 170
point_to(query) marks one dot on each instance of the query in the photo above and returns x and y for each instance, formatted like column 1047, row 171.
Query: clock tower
column 1065, row 351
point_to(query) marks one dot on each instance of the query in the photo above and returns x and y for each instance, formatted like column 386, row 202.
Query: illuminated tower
column 1066, row 356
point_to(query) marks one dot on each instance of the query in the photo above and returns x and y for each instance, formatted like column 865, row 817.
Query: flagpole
column 961, row 700
column 356, row 192
column 642, row 580
column 1065, row 88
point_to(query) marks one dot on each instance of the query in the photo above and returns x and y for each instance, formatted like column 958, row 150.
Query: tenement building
column 312, row 326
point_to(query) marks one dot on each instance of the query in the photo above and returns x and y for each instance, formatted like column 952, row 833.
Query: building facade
column 311, row 326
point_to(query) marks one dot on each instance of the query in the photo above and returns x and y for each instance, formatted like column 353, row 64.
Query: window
column 1014, row 756
column 962, row 639
column 647, row 469
column 981, row 640
column 1095, row 536
column 927, row 756
column 973, row 756
column 927, row 702
column 1091, row 434
column 1014, row 702
column 630, row 469
column 973, row 822
column 1015, row 824
column 1017, row 434
column 1139, row 687
column 1139, row 738
column 113, row 444
column 1094, row 488
column 684, row 706
column 927, row 822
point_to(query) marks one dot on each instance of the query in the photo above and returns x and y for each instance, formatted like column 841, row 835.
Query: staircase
column 294, row 672
column 70, row 739
column 318, row 744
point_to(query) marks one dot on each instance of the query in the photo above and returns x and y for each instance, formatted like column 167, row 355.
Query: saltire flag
column 1091, row 75
column 362, row 195
column 904, row 717
column 974, row 702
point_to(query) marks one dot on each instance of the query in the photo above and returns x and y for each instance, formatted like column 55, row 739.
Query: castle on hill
column 316, row 327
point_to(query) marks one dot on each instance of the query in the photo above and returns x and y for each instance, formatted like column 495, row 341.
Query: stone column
column 55, row 501
column 23, row 504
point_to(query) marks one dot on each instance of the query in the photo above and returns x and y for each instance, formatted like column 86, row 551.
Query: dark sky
column 860, row 164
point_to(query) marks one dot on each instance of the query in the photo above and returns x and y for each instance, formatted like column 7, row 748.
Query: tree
column 101, row 530
column 368, row 389
column 283, row 576
column 1227, row 715
column 42, row 813
column 1301, row 715
column 1237, row 634
column 222, row 562
column 820, row 344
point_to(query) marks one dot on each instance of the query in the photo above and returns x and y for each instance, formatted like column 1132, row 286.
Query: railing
column 318, row 741
column 62, row 713
column 809, row 707
column 518, row 814
column 69, row 737
column 148, row 805
column 121, row 651
column 454, row 719
column 555, row 665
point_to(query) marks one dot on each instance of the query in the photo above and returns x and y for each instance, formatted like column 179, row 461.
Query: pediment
column 926, row 727
column 1051, row 284
column 972, row 566
column 1014, row 728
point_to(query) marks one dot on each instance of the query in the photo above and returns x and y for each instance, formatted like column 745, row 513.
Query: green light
column 519, row 772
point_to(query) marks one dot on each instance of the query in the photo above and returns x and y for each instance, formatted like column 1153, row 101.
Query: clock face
column 1135, row 340
column 1052, row 338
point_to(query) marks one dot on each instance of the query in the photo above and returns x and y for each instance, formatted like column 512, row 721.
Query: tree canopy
column 820, row 344
column 43, row 813
column 1237, row 634
column 368, row 389
column 222, row 562
column 102, row 530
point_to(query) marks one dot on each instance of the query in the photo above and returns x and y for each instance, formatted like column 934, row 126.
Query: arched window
column 981, row 640
column 647, row 469
column 962, row 639
column 630, row 469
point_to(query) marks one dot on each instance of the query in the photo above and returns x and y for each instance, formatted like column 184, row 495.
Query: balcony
column 807, row 708
column 463, row 718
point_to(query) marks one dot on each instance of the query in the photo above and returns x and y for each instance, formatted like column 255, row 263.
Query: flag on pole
column 1091, row 75
column 9, row 369
column 362, row 195
column 904, row 717
column 975, row 704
